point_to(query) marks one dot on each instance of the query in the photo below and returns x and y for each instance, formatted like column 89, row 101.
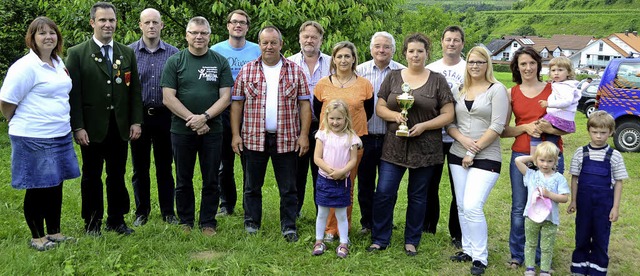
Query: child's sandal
column 342, row 251
column 318, row 249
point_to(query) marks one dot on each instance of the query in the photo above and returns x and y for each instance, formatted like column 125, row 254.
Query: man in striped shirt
column 271, row 99
column 382, row 47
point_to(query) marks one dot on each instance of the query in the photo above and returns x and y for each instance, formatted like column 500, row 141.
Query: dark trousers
column 284, row 168
column 155, row 132
column 42, row 205
column 367, row 172
column 112, row 153
column 386, row 197
column 185, row 149
column 304, row 162
column 228, row 193
column 432, row 214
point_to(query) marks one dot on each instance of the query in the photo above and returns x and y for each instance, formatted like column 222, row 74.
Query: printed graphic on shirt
column 453, row 77
column 209, row 73
column 236, row 63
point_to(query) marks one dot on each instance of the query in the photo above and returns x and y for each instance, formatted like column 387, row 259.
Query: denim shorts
column 42, row 162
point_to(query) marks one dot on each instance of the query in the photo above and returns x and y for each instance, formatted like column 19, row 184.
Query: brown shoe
column 186, row 228
column 208, row 231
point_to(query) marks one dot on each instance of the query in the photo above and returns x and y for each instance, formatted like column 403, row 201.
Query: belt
column 376, row 136
column 151, row 111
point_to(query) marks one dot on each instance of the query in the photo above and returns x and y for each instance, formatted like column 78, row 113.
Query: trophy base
column 402, row 133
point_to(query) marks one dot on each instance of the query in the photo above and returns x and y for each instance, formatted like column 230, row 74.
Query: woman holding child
column 524, row 99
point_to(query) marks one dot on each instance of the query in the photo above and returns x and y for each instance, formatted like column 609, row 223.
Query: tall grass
column 158, row 248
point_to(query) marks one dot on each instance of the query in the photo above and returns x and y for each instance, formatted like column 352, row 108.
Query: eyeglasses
column 476, row 63
column 236, row 22
column 198, row 33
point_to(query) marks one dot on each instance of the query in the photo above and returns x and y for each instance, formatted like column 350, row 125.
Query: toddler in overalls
column 597, row 171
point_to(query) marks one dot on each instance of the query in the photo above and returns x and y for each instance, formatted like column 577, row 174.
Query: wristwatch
column 206, row 116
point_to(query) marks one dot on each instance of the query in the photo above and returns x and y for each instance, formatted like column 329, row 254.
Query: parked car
column 587, row 103
column 619, row 95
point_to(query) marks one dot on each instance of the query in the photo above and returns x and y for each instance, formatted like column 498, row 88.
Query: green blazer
column 95, row 94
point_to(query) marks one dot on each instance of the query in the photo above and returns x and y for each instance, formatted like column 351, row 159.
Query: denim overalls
column 594, row 203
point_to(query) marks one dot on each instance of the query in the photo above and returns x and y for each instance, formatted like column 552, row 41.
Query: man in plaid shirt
column 270, row 99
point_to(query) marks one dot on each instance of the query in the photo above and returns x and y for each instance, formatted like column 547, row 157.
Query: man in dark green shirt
column 196, row 84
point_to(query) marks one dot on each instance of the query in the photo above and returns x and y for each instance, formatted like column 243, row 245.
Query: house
column 598, row 54
column 502, row 49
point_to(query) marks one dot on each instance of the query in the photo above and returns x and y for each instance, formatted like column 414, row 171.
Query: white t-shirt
column 41, row 93
column 272, row 77
column 454, row 75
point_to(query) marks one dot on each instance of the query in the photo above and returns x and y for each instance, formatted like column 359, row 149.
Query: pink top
column 336, row 149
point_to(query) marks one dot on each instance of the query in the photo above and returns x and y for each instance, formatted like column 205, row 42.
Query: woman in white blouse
column 481, row 109
column 34, row 99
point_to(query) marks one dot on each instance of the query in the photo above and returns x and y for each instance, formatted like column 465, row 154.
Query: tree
column 349, row 20
column 525, row 30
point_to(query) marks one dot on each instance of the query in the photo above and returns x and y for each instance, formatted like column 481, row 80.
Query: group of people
column 313, row 110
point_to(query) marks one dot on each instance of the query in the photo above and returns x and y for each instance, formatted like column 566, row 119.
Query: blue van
column 619, row 95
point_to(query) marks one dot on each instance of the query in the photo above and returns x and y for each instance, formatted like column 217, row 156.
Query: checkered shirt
column 251, row 87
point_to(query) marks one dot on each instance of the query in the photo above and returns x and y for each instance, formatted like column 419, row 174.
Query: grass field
column 160, row 249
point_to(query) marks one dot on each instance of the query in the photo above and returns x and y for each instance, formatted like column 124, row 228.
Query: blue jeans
column 367, row 172
column 207, row 148
column 518, row 202
column 385, row 200
column 285, row 169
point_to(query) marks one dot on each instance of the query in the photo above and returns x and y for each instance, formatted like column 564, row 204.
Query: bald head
column 151, row 24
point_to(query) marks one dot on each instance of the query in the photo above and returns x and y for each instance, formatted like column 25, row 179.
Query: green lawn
column 157, row 248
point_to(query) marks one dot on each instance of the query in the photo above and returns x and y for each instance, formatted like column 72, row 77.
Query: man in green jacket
column 106, row 112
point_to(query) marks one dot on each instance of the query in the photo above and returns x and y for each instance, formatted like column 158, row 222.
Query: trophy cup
column 405, row 101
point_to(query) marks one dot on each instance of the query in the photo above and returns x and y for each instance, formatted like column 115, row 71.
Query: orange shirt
column 354, row 96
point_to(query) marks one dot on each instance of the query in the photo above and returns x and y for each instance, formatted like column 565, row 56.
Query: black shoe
column 121, row 229
column 456, row 243
column 461, row 257
column 478, row 268
column 410, row 253
column 291, row 237
column 373, row 248
column 171, row 219
column 140, row 220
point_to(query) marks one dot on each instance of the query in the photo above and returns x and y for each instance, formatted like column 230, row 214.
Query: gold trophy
column 405, row 101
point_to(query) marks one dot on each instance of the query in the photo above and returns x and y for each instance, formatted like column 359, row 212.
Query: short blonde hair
column 563, row 62
column 546, row 149
column 601, row 119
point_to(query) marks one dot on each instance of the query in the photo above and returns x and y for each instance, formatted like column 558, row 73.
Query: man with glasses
column 315, row 66
column 238, row 52
column 196, row 84
column 382, row 48
column 452, row 66
column 152, row 53
column 106, row 112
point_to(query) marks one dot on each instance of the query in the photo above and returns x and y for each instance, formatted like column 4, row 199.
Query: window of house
column 505, row 55
column 600, row 46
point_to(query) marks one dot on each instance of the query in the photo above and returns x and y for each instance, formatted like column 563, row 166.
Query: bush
column 501, row 68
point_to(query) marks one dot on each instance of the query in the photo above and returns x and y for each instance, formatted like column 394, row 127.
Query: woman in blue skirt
column 35, row 101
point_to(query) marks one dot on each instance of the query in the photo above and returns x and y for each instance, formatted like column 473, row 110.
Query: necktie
column 107, row 59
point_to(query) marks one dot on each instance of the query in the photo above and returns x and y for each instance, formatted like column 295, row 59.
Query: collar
column 100, row 44
column 142, row 45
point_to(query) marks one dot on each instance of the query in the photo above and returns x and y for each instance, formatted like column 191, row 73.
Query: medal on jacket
column 116, row 66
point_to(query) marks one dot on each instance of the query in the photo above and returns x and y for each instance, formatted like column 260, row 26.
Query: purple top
column 150, row 65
